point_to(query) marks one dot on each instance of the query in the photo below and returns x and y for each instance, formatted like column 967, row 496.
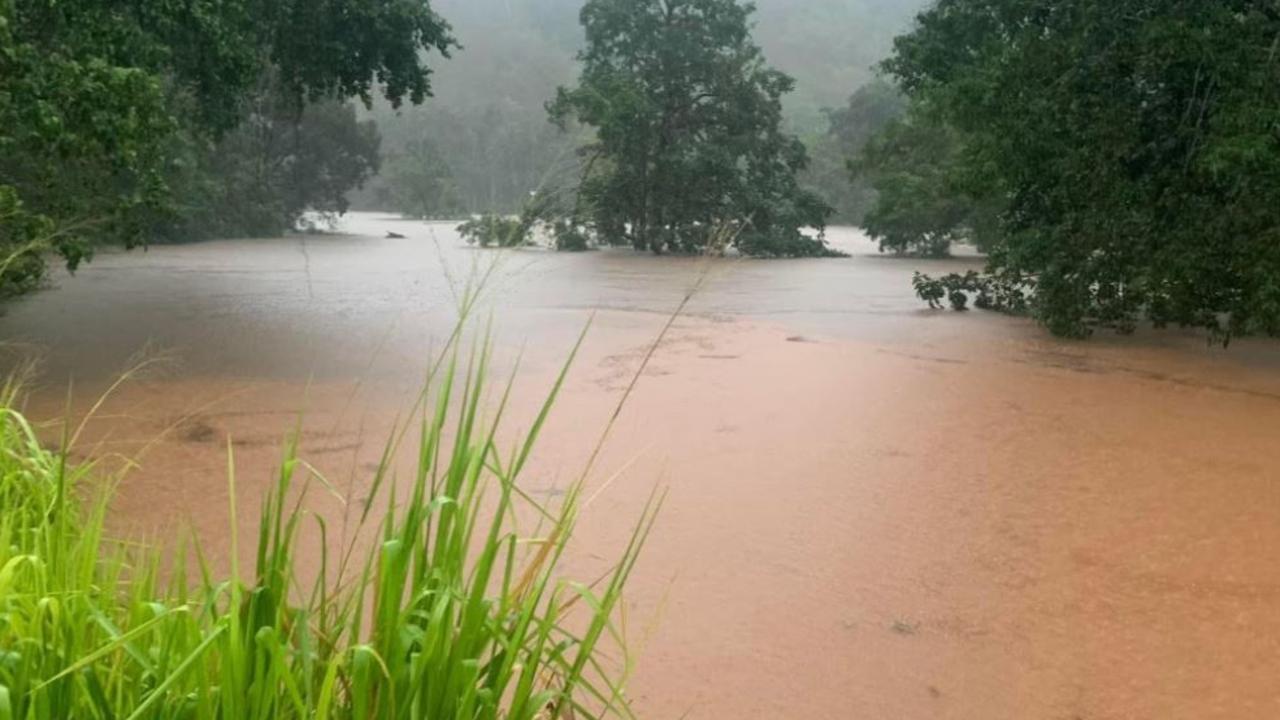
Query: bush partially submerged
column 491, row 230
column 1133, row 166
column 988, row 292
column 570, row 236
column 785, row 243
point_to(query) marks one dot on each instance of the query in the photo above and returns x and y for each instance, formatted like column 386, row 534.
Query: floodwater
column 873, row 510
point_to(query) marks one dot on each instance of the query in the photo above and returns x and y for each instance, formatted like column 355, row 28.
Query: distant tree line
column 846, row 133
column 129, row 121
column 486, row 145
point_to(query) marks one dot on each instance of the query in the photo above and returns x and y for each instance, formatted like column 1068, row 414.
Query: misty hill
column 486, row 130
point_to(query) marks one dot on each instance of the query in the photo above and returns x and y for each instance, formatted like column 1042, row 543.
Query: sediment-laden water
column 873, row 510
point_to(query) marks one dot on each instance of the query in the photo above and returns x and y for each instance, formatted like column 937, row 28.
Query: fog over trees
column 1116, row 161
column 488, row 138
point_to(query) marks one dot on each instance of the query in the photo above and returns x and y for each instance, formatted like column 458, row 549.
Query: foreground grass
column 449, row 613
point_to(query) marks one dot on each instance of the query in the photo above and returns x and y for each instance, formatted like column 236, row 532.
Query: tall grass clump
column 442, row 608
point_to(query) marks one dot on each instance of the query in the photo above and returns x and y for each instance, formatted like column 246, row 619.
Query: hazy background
column 485, row 134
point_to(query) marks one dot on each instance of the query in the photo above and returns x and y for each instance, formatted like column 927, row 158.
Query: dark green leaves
column 350, row 48
column 689, row 155
column 1132, row 148
column 109, row 110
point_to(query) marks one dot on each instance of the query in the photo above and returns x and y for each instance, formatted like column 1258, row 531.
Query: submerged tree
column 687, row 116
column 104, row 107
column 915, row 167
column 283, row 160
column 1133, row 145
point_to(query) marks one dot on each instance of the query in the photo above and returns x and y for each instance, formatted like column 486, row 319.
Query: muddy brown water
column 873, row 511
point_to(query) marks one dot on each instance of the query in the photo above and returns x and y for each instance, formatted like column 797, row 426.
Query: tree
column 420, row 181
column 689, row 152
column 78, row 157
column 847, row 131
column 914, row 167
column 260, row 179
column 870, row 108
column 493, row 132
column 1132, row 144
column 103, row 105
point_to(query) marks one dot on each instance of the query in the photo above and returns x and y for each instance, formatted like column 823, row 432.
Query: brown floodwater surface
column 873, row 510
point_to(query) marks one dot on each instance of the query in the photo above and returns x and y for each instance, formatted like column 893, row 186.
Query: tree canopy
column 107, row 108
column 1132, row 148
column 913, row 169
column 689, row 149
column 847, row 130
column 490, row 125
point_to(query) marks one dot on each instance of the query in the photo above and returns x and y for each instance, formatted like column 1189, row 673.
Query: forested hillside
column 486, row 143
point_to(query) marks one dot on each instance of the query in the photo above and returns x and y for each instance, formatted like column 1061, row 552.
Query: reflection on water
column 875, row 510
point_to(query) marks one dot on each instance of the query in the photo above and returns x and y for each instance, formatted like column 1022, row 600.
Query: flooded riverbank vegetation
column 1110, row 183
column 1121, row 159
column 957, row 514
column 438, row 595
column 680, row 125
column 688, row 133
column 124, row 123
column 486, row 139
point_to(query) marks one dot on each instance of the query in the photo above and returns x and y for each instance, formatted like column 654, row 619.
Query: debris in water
column 904, row 628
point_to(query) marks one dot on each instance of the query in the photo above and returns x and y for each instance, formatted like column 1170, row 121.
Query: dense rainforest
column 130, row 123
column 1117, row 162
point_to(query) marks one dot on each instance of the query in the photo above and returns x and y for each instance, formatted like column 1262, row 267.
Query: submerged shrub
column 570, row 236
column 989, row 292
column 491, row 230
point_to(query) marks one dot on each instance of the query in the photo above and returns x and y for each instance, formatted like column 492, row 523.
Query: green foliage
column 688, row 124
column 420, row 182
column 920, row 206
column 872, row 107
column 107, row 109
column 327, row 49
column 486, row 154
column 491, row 130
column 435, row 604
column 490, row 230
column 552, row 210
column 848, row 129
column 1132, row 145
column 986, row 291
column 332, row 152
column 23, row 237
column 77, row 132
column 570, row 236
column 260, row 178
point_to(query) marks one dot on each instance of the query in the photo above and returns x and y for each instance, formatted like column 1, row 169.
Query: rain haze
column 639, row 358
